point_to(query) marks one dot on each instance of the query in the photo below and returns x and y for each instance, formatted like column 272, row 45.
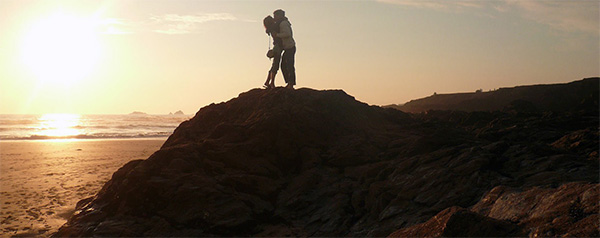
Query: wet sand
column 41, row 181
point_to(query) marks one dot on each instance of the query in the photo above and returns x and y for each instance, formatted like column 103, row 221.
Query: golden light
column 62, row 48
column 59, row 125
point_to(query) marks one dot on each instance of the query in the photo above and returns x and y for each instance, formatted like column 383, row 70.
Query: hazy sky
column 160, row 56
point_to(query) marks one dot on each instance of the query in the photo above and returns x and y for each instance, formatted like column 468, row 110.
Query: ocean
column 74, row 126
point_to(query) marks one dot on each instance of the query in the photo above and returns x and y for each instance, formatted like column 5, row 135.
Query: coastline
column 42, row 180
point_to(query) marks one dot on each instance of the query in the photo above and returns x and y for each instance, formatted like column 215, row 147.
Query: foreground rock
column 460, row 222
column 568, row 211
column 319, row 163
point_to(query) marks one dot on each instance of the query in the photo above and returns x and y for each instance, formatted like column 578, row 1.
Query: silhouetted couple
column 280, row 29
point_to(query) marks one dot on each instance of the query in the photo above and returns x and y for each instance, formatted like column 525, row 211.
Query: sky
column 160, row 56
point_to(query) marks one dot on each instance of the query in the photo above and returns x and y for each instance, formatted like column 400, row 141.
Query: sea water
column 74, row 126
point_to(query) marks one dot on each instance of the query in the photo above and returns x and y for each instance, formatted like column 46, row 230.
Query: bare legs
column 270, row 83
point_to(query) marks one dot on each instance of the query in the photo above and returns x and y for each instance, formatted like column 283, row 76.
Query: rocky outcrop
column 460, row 222
column 319, row 163
column 574, row 96
column 570, row 210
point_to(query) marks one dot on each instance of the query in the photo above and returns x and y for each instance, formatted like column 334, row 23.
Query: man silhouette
column 289, row 47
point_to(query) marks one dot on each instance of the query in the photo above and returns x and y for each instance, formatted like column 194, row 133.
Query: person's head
column 269, row 23
column 279, row 14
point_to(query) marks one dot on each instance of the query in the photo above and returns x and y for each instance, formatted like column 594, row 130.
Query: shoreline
column 163, row 138
column 42, row 180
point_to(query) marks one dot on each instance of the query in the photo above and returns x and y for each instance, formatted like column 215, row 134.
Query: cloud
column 185, row 24
column 579, row 16
column 449, row 6
column 114, row 26
column 571, row 16
column 171, row 24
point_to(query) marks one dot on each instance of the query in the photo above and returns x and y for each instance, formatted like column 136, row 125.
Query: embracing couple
column 280, row 29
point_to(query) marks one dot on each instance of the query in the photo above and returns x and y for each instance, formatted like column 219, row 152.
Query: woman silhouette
column 272, row 29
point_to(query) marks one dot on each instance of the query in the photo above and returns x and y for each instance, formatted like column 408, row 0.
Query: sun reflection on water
column 59, row 125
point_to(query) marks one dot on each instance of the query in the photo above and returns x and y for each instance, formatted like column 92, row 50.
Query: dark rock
column 577, row 96
column 567, row 211
column 564, row 211
column 459, row 222
column 319, row 163
column 581, row 141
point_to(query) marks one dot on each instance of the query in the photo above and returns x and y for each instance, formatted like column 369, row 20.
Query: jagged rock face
column 319, row 163
column 568, row 211
column 459, row 222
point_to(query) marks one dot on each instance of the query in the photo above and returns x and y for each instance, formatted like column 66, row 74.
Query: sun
column 61, row 48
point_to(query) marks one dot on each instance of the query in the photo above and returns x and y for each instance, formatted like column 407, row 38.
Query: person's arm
column 285, row 30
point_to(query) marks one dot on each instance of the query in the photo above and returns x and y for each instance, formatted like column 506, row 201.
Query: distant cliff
column 319, row 163
column 578, row 95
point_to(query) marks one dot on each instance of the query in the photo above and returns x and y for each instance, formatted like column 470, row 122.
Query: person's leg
column 268, row 79
column 290, row 66
column 275, row 67
column 284, row 69
column 272, row 82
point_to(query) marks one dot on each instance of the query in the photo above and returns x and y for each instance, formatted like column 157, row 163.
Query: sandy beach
column 41, row 181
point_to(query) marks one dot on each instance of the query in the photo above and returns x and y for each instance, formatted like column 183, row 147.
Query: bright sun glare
column 61, row 48
column 59, row 125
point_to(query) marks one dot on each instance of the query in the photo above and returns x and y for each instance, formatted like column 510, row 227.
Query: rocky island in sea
column 137, row 113
column 320, row 163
